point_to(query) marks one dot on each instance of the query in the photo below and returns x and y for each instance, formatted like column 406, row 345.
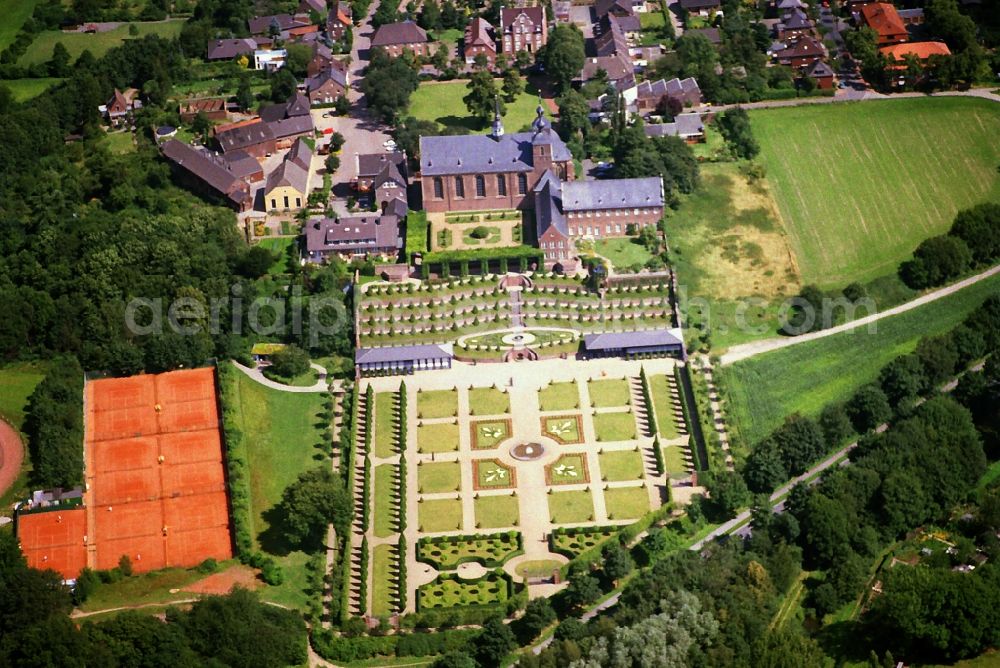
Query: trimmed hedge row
column 517, row 597
column 342, row 649
column 661, row 466
column 363, row 584
column 348, row 446
column 513, row 539
column 647, row 397
column 236, row 464
column 401, row 576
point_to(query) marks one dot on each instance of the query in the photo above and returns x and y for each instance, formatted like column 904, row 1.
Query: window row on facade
column 479, row 183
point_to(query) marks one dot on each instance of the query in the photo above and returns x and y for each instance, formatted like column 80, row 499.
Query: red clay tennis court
column 157, row 489
column 55, row 539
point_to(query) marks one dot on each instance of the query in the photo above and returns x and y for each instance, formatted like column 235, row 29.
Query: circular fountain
column 527, row 452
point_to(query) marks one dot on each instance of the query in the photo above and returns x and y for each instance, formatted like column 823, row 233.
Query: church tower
column 497, row 121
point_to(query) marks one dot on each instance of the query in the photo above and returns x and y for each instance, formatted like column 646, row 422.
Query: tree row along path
column 11, row 456
column 746, row 350
column 854, row 96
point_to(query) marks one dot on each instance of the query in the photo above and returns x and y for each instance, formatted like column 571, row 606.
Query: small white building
column 269, row 60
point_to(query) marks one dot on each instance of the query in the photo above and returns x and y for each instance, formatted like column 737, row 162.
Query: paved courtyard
column 597, row 468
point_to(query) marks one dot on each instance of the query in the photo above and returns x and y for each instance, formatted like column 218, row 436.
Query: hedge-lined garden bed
column 447, row 552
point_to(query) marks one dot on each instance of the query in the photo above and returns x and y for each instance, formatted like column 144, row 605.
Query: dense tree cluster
column 389, row 83
column 563, row 55
column 54, row 427
column 973, row 240
column 637, row 155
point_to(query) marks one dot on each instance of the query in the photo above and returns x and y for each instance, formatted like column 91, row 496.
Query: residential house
column 821, row 73
column 243, row 166
column 254, row 137
column 604, row 8
column 523, row 29
column 711, row 34
column 610, row 40
column 613, row 28
column 922, row 51
column 783, row 6
column 269, row 59
column 646, row 97
column 701, row 7
column 278, row 25
column 572, row 210
column 339, row 20
column 322, row 58
column 395, row 37
column 326, row 86
column 911, row 17
column 494, row 171
column 479, row 40
column 118, row 110
column 801, row 53
column 214, row 108
column 618, row 68
column 310, row 6
column 883, row 18
column 370, row 167
column 208, row 174
column 287, row 187
column 228, row 49
column 794, row 25
column 353, row 236
column 688, row 127
column 289, row 120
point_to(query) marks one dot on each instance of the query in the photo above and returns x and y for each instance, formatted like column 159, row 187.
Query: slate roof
column 242, row 164
column 289, row 173
column 611, row 40
column 612, row 194
column 510, row 14
column 207, row 168
column 819, row 70
column 245, row 135
column 712, row 34
column 548, row 205
column 289, row 127
column 700, row 4
column 371, row 164
column 674, row 87
column 604, row 7
column 329, row 74
column 261, row 25
column 359, row 233
column 405, row 32
column 790, row 4
column 482, row 154
column 646, row 339
column 912, row 14
column 227, row 49
column 796, row 20
column 477, row 33
column 318, row 6
column 807, row 46
column 401, row 354
column 684, row 125
column 300, row 154
column 618, row 67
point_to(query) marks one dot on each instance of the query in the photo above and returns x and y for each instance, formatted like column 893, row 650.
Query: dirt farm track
column 11, row 456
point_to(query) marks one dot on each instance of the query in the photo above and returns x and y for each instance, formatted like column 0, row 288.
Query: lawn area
column 568, row 470
column 608, row 393
column 626, row 503
column 282, row 433
column 26, row 89
column 385, row 500
column 440, row 515
column 146, row 588
column 563, row 428
column 447, row 36
column 384, row 443
column 674, row 460
column 860, row 185
column 442, row 103
column 382, row 598
column 17, row 382
column 438, row 477
column 559, row 397
column 437, row 437
column 488, row 401
column 446, row 553
column 120, row 143
column 40, row 50
column 486, row 434
column 614, row 427
column 727, row 244
column 307, row 379
column 493, row 474
column 537, row 569
column 437, row 404
column 623, row 252
column 495, row 512
column 280, row 247
column 15, row 13
column 621, row 465
column 571, row 507
column 663, row 407
column 763, row 390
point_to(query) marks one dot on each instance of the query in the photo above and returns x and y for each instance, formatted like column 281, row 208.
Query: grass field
column 626, row 503
column 488, row 401
column 385, row 500
column 440, row 515
column 609, row 393
column 439, row 477
column 437, row 437
column 17, row 382
column 624, row 252
column 26, row 89
column 860, row 185
column 15, row 13
column 663, row 407
column 494, row 512
column 437, row 404
column 384, row 443
column 571, row 507
column 621, row 465
column 559, row 397
column 442, row 103
column 763, row 390
column 146, row 588
column 673, row 459
column 612, row 427
column 40, row 50
column 382, row 603
column 282, row 434
column 279, row 246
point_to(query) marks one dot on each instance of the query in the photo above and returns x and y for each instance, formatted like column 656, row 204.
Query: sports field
column 40, row 50
column 860, row 185
column 763, row 390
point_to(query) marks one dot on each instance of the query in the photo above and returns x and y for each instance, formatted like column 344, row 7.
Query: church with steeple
column 493, row 171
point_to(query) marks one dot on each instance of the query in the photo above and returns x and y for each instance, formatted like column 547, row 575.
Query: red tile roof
column 883, row 19
column 922, row 50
